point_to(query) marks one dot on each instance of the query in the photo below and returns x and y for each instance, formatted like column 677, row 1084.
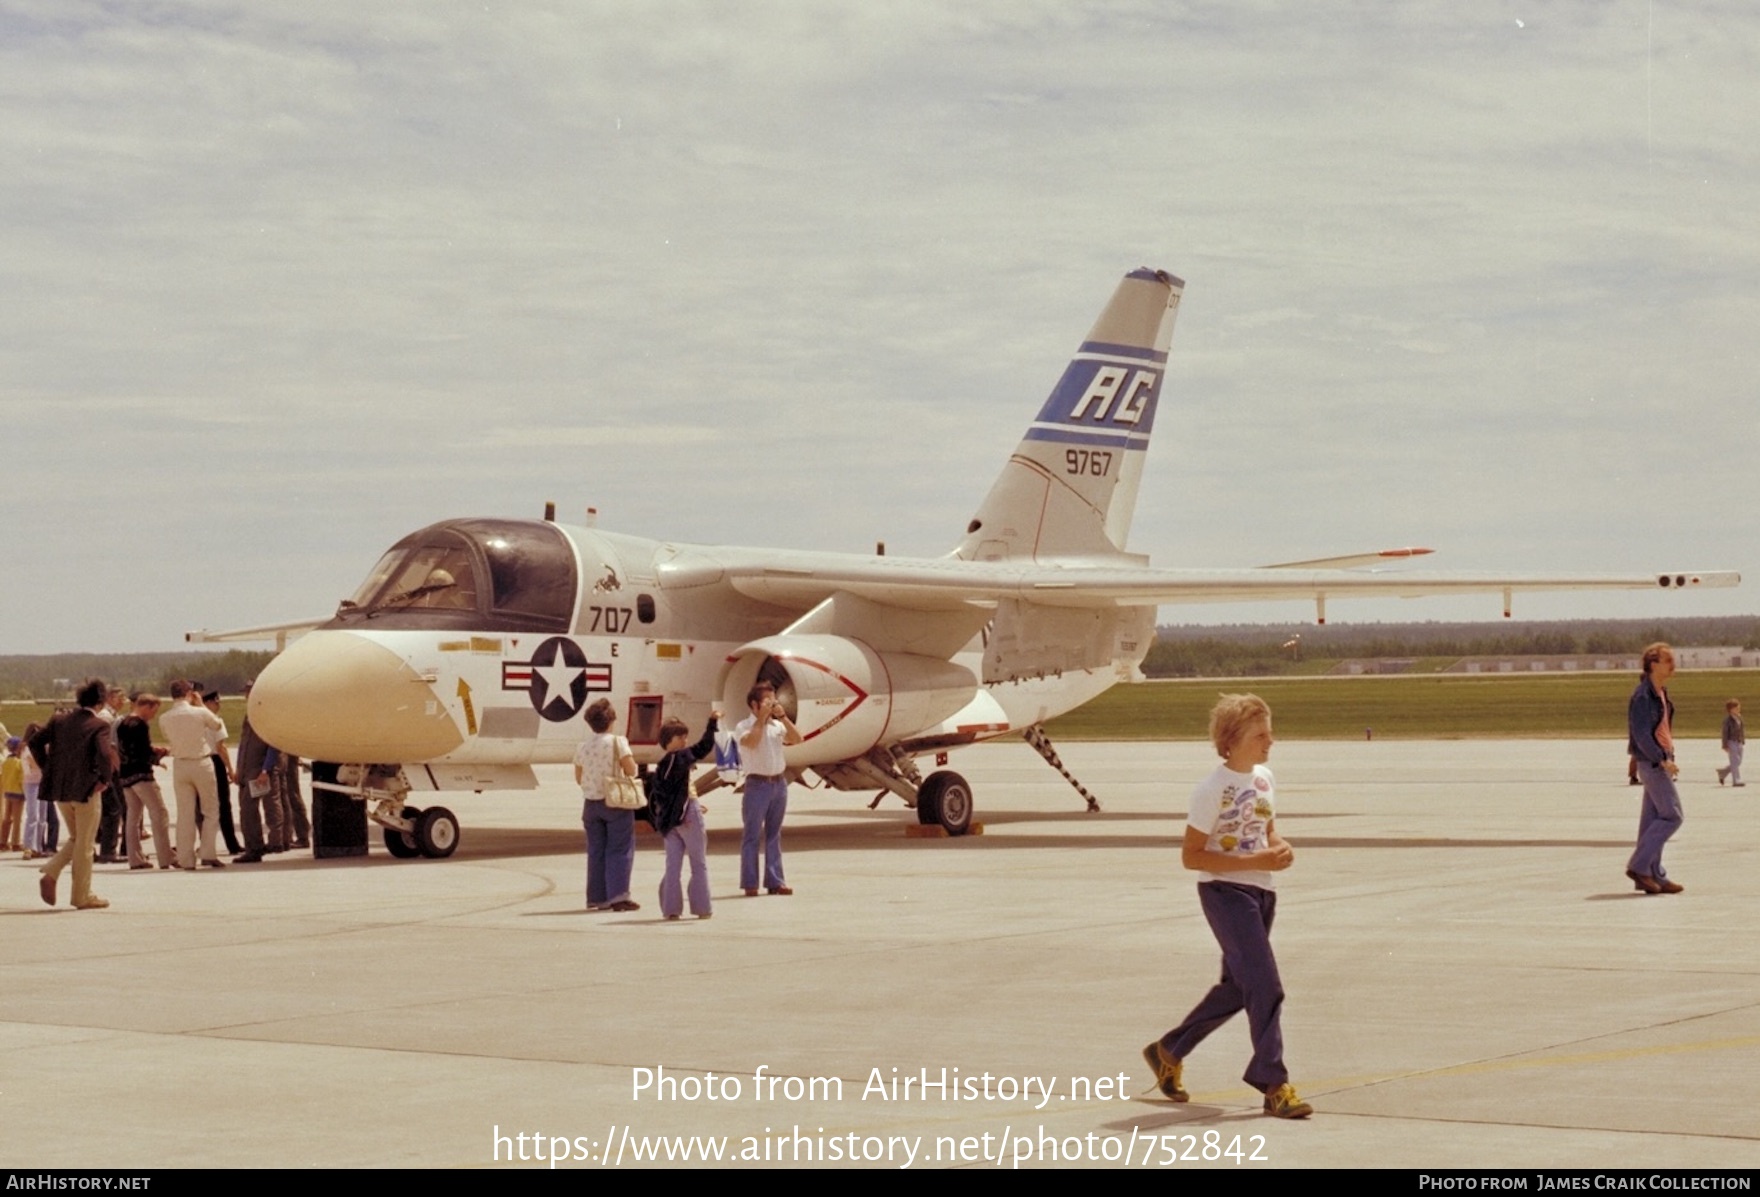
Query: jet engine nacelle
column 843, row 696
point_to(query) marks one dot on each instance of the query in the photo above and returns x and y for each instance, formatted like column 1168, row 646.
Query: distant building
column 1377, row 665
column 1718, row 657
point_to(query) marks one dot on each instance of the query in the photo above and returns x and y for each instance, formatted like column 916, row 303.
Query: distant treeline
column 1256, row 650
column 50, row 676
column 1228, row 650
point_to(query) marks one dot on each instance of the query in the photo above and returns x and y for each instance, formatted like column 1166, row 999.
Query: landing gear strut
column 1035, row 735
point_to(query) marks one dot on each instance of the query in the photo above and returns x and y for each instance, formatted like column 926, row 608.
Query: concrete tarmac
column 1471, row 980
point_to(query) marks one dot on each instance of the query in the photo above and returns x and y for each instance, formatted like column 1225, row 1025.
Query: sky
column 283, row 283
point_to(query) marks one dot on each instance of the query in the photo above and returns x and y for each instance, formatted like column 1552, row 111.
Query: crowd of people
column 95, row 768
column 605, row 769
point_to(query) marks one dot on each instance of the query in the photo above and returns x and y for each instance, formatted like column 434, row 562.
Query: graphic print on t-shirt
column 1245, row 812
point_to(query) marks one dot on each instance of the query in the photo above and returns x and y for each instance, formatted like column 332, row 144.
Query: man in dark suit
column 78, row 759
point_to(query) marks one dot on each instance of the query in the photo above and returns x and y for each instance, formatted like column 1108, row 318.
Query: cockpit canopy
column 491, row 575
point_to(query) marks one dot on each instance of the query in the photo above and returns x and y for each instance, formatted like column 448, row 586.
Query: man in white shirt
column 762, row 735
column 186, row 727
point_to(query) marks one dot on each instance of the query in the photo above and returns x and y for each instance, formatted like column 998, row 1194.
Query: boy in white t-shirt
column 1232, row 844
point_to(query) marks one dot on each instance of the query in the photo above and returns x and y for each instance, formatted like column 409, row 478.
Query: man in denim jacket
column 1650, row 727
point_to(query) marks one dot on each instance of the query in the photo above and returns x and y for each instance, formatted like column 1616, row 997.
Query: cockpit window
column 434, row 573
column 487, row 573
column 530, row 567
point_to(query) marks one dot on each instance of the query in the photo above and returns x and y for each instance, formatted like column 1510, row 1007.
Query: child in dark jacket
column 679, row 817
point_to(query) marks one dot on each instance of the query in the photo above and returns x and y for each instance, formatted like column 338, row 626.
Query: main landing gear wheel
column 437, row 832
column 945, row 798
column 400, row 844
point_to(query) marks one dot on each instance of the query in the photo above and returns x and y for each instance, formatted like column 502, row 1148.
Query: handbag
column 622, row 792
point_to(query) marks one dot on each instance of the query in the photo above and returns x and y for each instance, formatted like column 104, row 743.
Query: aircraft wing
column 799, row 580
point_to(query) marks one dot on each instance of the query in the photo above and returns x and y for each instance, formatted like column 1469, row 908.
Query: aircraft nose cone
column 337, row 696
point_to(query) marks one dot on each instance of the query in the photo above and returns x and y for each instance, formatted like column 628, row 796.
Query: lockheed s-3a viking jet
column 467, row 655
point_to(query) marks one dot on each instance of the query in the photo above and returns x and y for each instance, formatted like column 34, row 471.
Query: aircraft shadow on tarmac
column 868, row 831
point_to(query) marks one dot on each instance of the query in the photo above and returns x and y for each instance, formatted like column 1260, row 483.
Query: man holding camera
column 762, row 735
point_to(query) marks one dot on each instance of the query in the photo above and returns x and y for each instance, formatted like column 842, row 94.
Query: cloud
column 503, row 437
column 369, row 268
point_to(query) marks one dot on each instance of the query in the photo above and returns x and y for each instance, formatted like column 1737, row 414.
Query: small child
column 679, row 818
column 1735, row 737
column 1231, row 841
column 42, row 826
column 12, row 786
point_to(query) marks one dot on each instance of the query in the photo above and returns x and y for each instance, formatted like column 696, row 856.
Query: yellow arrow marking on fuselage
column 470, row 712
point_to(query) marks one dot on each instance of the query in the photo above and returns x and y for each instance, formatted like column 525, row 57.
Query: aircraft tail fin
column 1070, row 487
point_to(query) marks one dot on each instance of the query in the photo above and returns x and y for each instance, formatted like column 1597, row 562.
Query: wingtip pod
column 1070, row 488
column 1704, row 579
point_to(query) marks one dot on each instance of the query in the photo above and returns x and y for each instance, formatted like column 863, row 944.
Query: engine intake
column 844, row 696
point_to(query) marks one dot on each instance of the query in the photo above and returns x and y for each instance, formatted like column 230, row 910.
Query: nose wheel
column 410, row 831
column 434, row 834
column 401, row 844
column 437, row 833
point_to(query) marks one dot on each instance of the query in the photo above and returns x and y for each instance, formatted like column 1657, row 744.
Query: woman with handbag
column 606, row 773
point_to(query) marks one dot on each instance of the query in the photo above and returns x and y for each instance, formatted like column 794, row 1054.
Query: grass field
column 1423, row 707
column 18, row 715
column 1453, row 706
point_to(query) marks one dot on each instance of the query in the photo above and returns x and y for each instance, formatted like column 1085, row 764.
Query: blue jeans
column 1240, row 916
column 690, row 839
column 762, row 809
column 39, row 820
column 1659, row 820
column 611, row 852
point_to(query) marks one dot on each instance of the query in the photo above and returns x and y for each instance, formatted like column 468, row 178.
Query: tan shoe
column 92, row 902
column 1282, row 1102
column 1167, row 1072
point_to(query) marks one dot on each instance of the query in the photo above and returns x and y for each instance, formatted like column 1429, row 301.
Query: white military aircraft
column 467, row 655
